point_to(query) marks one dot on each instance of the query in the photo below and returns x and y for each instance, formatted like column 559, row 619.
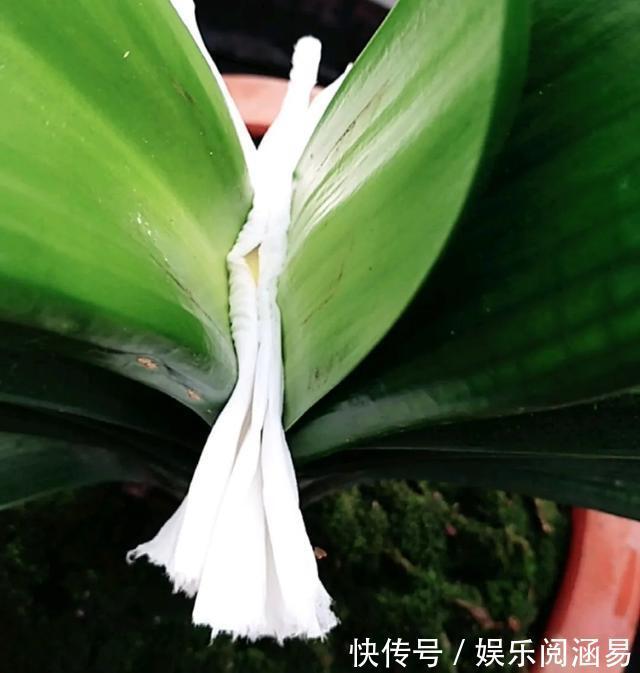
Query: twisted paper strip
column 238, row 541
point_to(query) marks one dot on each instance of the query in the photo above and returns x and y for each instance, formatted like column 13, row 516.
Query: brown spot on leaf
column 183, row 92
column 147, row 363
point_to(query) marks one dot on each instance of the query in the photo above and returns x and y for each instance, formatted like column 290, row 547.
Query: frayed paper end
column 326, row 621
column 180, row 584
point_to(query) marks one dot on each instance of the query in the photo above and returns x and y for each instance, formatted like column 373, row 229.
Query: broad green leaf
column 587, row 455
column 536, row 302
column 122, row 187
column 605, row 484
column 386, row 175
column 40, row 454
column 31, row 467
column 52, row 380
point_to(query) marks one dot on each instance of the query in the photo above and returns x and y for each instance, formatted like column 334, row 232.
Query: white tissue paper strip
column 238, row 542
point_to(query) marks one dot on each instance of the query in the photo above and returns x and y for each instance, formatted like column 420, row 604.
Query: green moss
column 404, row 561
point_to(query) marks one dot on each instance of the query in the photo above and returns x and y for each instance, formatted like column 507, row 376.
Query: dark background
column 254, row 36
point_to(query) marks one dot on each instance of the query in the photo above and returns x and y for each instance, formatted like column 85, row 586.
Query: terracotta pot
column 599, row 595
column 258, row 98
column 600, row 592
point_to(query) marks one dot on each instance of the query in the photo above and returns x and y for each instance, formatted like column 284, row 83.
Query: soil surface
column 404, row 560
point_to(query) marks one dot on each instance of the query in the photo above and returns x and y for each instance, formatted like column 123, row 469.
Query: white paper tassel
column 238, row 541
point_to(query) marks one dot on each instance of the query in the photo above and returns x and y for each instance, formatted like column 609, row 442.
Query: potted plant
column 600, row 592
column 505, row 358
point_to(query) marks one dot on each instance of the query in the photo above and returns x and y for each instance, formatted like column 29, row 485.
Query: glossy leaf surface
column 587, row 455
column 536, row 302
column 122, row 186
column 386, row 175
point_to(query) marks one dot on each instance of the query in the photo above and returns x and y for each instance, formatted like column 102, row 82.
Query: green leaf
column 36, row 376
column 41, row 453
column 386, row 175
column 536, row 302
column 586, row 455
column 123, row 186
